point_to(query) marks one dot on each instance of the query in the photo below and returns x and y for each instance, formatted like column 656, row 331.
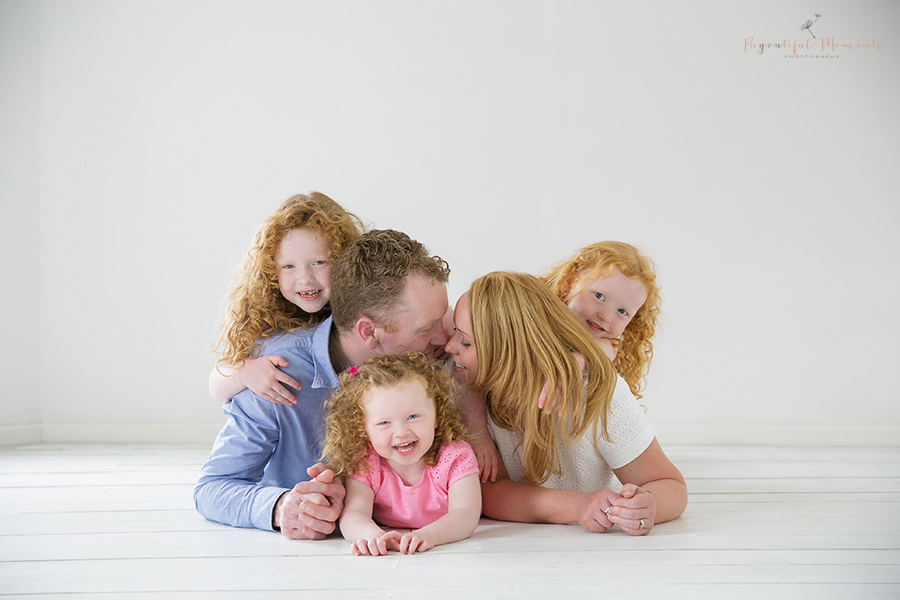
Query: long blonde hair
column 346, row 440
column 635, row 348
column 256, row 309
column 525, row 337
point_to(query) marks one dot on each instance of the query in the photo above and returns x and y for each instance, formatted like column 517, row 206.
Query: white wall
column 503, row 135
column 20, row 206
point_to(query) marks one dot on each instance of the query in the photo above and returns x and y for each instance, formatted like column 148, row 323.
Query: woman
column 512, row 335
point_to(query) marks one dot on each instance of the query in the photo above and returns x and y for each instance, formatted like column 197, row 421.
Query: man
column 388, row 297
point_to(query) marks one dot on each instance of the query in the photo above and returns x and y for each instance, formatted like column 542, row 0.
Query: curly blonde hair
column 596, row 261
column 525, row 337
column 346, row 441
column 256, row 308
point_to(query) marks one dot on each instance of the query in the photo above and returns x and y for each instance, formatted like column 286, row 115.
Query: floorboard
column 111, row 521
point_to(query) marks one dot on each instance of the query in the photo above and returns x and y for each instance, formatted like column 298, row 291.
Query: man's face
column 417, row 320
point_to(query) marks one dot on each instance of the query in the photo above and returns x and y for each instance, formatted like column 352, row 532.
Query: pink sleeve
column 455, row 461
column 373, row 474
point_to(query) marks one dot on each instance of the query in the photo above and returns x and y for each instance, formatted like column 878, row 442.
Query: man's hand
column 310, row 510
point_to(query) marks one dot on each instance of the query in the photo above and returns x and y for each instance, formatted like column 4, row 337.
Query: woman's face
column 462, row 343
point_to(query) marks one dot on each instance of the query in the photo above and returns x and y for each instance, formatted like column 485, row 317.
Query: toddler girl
column 393, row 431
column 611, row 287
column 283, row 283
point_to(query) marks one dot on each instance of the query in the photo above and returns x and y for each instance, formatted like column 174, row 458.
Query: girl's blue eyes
column 602, row 298
column 409, row 418
column 318, row 263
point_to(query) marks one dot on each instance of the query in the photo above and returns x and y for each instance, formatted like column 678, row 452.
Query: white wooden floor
column 84, row 521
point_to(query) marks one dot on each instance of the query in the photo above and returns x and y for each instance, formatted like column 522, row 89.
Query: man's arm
column 228, row 491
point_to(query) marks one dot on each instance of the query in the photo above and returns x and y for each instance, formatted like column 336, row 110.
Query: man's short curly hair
column 369, row 276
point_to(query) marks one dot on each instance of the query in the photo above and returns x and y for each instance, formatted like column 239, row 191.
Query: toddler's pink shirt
column 413, row 507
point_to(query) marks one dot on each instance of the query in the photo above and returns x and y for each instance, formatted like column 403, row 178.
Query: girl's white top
column 583, row 469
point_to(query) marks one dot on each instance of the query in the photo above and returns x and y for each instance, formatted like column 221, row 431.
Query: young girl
column 612, row 288
column 394, row 433
column 284, row 283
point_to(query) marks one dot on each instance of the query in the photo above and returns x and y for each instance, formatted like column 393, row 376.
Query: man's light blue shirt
column 265, row 448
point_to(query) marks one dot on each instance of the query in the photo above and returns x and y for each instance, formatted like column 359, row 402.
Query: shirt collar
column 324, row 375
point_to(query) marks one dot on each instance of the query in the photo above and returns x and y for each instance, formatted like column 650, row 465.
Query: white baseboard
column 132, row 433
column 776, row 435
column 669, row 435
column 20, row 435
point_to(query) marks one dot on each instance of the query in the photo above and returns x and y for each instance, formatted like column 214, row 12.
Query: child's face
column 400, row 422
column 462, row 343
column 606, row 306
column 304, row 271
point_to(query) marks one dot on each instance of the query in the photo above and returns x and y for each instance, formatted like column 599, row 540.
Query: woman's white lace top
column 583, row 469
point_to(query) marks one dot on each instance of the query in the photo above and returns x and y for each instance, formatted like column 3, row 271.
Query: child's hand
column 263, row 377
column 419, row 540
column 373, row 546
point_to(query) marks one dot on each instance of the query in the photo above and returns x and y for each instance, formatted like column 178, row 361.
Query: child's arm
column 357, row 526
column 261, row 375
column 545, row 390
column 473, row 408
column 458, row 524
column 610, row 348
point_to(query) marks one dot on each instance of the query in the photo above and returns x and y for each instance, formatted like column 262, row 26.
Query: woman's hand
column 593, row 510
column 634, row 511
column 487, row 455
